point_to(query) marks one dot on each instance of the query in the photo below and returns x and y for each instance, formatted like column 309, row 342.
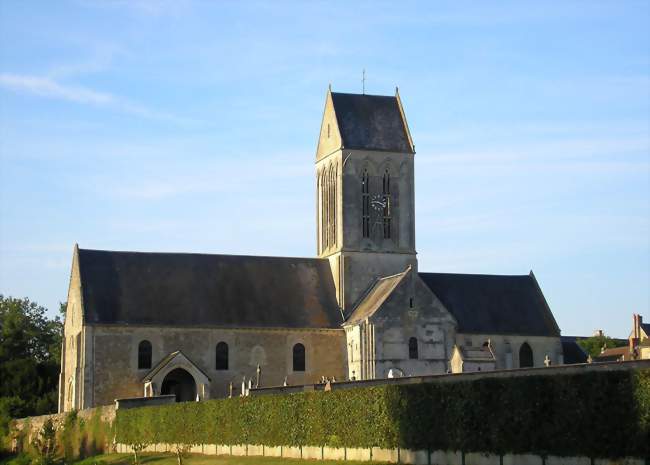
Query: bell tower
column 365, row 212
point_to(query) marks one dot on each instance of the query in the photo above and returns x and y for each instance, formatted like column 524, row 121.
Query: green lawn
column 170, row 459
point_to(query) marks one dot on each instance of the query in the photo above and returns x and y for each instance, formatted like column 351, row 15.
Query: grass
column 197, row 459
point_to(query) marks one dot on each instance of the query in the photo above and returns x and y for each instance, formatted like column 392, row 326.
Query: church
column 147, row 324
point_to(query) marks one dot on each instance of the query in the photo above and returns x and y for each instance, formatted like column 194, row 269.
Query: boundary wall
column 376, row 454
column 457, row 377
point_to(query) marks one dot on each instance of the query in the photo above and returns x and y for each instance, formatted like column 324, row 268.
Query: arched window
column 413, row 348
column 221, row 356
column 327, row 208
column 386, row 199
column 365, row 202
column 525, row 356
column 333, row 205
column 319, row 190
column 144, row 355
column 299, row 357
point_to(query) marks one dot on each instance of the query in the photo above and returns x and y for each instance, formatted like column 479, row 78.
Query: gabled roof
column 167, row 359
column 476, row 354
column 614, row 354
column 175, row 289
column 371, row 122
column 493, row 304
column 572, row 351
column 375, row 297
column 646, row 328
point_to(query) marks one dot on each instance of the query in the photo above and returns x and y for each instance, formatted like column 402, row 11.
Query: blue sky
column 191, row 126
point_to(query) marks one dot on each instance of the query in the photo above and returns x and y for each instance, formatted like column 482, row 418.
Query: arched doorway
column 525, row 356
column 180, row 383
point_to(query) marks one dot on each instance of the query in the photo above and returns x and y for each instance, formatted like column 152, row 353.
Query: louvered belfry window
column 365, row 202
column 386, row 201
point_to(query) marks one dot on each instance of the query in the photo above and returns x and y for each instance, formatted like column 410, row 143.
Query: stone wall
column 376, row 454
column 116, row 373
column 506, row 348
column 458, row 377
column 71, row 377
column 36, row 423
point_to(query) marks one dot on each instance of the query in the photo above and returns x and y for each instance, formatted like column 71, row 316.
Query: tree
column 30, row 351
column 593, row 345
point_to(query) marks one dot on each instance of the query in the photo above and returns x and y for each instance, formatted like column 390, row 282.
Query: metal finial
column 363, row 81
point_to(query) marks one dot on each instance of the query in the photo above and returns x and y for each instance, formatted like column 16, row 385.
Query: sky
column 191, row 126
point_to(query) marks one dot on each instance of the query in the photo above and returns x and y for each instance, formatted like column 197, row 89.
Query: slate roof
column 493, row 304
column 572, row 351
column 371, row 122
column 375, row 297
column 174, row 289
column 646, row 328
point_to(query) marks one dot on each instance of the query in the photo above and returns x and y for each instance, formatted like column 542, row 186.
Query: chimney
column 636, row 331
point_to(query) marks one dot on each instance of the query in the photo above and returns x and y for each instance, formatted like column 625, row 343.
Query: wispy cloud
column 48, row 87
column 101, row 58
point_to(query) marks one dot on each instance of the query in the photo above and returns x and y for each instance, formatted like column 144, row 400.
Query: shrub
column 598, row 414
column 45, row 443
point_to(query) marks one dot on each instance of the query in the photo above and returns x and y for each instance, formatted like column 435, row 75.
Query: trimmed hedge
column 598, row 414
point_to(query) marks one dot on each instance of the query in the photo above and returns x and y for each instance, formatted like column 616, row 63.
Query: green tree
column 30, row 349
column 593, row 345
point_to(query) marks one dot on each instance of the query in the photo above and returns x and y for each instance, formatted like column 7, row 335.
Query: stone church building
column 145, row 324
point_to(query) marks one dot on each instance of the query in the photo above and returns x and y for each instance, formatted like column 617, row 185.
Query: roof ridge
column 139, row 252
column 363, row 95
column 475, row 274
column 408, row 268
column 373, row 288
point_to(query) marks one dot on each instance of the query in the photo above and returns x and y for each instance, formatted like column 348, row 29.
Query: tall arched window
column 413, row 348
column 326, row 212
column 221, row 356
column 386, row 199
column 365, row 202
column 299, row 357
column 525, row 356
column 332, row 205
column 144, row 355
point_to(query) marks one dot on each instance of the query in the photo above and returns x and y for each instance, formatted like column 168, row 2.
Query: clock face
column 377, row 202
